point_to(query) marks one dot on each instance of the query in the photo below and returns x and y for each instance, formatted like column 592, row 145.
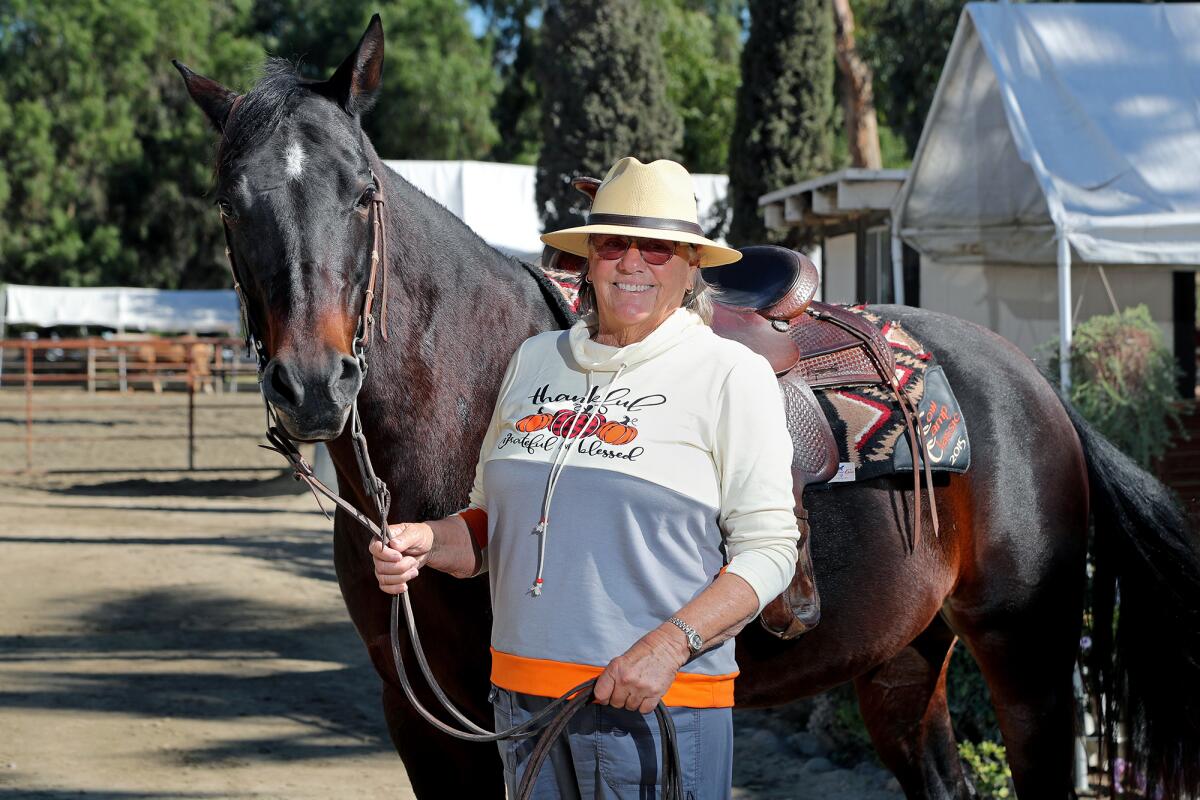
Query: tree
column 603, row 97
column 106, row 163
column 438, row 86
column 514, row 29
column 858, row 97
column 783, row 133
column 906, row 42
column 701, row 42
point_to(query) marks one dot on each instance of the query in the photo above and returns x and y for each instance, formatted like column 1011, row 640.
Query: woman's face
column 633, row 296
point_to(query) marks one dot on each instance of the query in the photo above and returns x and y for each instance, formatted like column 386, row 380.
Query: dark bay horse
column 295, row 180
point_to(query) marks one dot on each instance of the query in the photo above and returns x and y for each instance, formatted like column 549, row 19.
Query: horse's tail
column 1147, row 580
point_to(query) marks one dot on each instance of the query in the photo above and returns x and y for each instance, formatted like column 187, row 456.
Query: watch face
column 694, row 641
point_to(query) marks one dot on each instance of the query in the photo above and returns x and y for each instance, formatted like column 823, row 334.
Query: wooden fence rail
column 188, row 365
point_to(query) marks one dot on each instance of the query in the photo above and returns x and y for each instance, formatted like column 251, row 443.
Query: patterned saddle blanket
column 867, row 422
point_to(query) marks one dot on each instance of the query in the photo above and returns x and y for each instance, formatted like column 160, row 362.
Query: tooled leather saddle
column 765, row 301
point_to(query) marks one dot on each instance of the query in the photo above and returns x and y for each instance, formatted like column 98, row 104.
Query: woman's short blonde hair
column 698, row 299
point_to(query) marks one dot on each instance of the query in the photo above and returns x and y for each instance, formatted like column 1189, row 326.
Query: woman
column 651, row 461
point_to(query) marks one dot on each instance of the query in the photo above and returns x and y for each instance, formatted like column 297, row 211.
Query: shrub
column 969, row 700
column 1123, row 381
column 988, row 767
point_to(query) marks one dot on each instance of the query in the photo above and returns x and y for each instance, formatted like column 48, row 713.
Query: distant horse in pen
column 1006, row 573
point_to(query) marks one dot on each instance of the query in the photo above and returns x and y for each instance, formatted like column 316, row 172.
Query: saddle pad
column 868, row 424
column 567, row 283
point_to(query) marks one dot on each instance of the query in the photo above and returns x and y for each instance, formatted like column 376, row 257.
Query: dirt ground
column 181, row 635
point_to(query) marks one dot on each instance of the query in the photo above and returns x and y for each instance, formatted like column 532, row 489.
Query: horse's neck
column 456, row 311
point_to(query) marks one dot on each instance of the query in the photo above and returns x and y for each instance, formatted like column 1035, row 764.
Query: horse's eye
column 365, row 198
column 227, row 210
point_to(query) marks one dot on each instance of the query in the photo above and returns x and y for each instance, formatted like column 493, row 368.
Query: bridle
column 553, row 719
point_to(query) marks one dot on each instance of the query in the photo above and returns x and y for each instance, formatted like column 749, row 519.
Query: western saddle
column 765, row 301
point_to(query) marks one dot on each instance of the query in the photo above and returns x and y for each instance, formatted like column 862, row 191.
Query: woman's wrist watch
column 695, row 643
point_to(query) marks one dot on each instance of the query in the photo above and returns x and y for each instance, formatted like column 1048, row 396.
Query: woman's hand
column 637, row 679
column 401, row 559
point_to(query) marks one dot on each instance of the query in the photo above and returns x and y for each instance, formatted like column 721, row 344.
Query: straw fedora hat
column 654, row 200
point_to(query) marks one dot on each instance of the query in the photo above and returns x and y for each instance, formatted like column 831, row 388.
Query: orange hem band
column 546, row 678
column 477, row 524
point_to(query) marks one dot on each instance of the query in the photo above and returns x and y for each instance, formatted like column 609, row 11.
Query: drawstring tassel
column 540, row 528
column 589, row 411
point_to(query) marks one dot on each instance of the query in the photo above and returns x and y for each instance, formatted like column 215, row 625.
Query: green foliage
column 517, row 111
column 988, row 767
column 603, row 98
column 1123, row 381
column 106, row 162
column 905, row 42
column 891, row 149
column 106, row 168
column 439, row 85
column 969, row 700
column 701, row 42
column 783, row 133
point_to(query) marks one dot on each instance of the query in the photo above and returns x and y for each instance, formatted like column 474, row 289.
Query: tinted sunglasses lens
column 656, row 251
column 611, row 247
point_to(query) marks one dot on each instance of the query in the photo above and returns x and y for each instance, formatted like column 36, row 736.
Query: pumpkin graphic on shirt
column 573, row 424
column 534, row 422
column 616, row 432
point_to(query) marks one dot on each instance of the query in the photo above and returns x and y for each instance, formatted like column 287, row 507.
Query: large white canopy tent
column 123, row 308
column 498, row 201
column 1057, row 131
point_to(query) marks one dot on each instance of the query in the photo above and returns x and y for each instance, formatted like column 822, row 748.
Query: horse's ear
column 586, row 185
column 356, row 83
column 213, row 98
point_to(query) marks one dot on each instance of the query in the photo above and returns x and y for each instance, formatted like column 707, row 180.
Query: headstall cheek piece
column 553, row 719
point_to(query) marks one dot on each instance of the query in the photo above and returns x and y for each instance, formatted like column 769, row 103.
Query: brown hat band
column 657, row 223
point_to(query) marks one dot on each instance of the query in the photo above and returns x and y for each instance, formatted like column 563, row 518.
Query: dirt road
column 180, row 640
column 184, row 637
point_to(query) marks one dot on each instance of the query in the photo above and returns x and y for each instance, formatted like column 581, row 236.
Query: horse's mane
column 260, row 111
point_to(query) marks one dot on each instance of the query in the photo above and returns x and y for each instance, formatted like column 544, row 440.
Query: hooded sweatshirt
column 614, row 485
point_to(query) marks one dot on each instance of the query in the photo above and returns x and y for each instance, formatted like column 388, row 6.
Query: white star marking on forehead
column 294, row 158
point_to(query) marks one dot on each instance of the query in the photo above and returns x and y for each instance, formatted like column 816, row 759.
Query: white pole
column 897, row 268
column 1064, row 311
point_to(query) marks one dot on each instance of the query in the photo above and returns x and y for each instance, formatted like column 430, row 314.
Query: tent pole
column 897, row 268
column 1064, row 311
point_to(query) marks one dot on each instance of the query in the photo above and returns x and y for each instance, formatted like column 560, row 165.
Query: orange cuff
column 477, row 524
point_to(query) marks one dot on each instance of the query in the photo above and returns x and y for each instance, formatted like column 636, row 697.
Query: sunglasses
column 610, row 247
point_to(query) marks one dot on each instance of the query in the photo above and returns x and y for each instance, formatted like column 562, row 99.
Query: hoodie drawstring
column 542, row 529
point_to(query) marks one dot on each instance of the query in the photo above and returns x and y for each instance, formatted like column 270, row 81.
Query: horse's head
column 295, row 188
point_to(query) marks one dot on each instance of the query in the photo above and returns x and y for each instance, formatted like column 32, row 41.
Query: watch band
column 695, row 642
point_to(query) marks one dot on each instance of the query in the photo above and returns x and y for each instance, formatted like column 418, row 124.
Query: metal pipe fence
column 148, row 393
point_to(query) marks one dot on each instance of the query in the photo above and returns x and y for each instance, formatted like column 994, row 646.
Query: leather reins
column 553, row 719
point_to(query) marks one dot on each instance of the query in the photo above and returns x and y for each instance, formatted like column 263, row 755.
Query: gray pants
column 612, row 754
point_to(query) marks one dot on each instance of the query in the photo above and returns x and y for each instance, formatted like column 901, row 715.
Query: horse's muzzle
column 312, row 400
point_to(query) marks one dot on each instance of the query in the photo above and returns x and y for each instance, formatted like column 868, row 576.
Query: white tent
column 1060, row 130
column 123, row 308
column 498, row 200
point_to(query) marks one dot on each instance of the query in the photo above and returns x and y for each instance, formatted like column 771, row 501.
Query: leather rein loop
column 553, row 719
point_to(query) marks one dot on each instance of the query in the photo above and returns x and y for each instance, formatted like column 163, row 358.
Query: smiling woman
column 677, row 511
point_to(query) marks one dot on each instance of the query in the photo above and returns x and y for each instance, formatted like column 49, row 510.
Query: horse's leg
column 456, row 645
column 1019, row 609
column 1022, row 529
column 903, row 702
column 1028, row 667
